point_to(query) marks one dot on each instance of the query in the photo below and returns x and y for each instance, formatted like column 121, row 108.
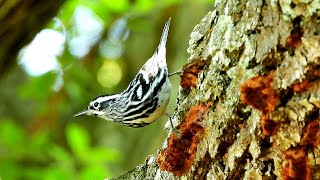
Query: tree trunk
column 20, row 20
column 249, row 98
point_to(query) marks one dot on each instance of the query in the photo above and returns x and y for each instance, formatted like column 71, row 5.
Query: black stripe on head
column 105, row 95
column 107, row 104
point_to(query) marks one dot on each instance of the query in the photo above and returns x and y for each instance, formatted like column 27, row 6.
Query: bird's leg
column 174, row 129
column 177, row 72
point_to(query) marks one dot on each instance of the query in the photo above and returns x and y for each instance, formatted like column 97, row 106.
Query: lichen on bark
column 258, row 73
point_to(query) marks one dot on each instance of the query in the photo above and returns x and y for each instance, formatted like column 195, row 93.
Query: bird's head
column 100, row 106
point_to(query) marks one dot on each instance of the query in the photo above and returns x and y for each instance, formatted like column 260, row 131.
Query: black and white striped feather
column 146, row 97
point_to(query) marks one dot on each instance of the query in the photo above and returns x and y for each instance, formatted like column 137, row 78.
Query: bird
column 146, row 97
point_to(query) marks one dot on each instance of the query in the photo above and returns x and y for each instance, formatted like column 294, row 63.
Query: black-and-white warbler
column 146, row 97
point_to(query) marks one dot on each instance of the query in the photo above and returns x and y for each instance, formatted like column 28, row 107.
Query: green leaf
column 62, row 158
column 67, row 10
column 74, row 91
column 53, row 173
column 117, row 5
column 78, row 139
column 12, row 136
column 38, row 146
column 94, row 172
column 8, row 169
column 31, row 172
column 59, row 154
column 144, row 5
column 101, row 155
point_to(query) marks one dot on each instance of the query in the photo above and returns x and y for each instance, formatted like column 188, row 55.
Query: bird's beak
column 84, row 112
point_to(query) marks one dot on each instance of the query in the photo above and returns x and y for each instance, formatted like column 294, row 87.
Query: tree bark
column 20, row 20
column 249, row 100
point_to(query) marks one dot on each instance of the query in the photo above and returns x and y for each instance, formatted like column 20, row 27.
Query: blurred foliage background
column 90, row 48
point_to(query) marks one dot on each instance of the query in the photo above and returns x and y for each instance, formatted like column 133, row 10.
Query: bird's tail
column 160, row 54
column 164, row 35
column 158, row 59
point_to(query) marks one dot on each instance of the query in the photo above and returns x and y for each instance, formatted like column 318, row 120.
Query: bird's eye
column 96, row 105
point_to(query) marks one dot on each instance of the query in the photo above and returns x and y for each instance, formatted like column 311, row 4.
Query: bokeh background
column 90, row 48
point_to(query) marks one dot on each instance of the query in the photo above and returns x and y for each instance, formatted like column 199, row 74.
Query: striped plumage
column 146, row 97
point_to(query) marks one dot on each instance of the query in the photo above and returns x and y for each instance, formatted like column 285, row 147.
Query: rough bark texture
column 20, row 20
column 249, row 98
